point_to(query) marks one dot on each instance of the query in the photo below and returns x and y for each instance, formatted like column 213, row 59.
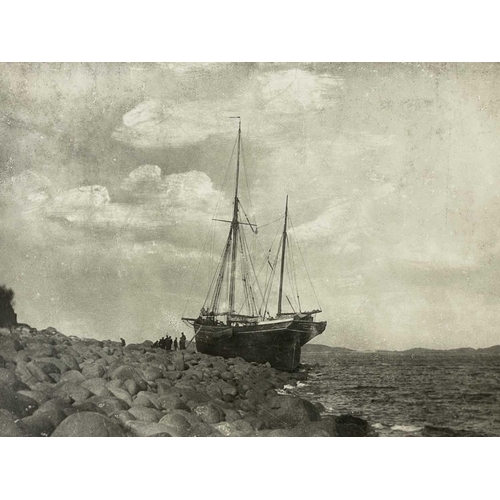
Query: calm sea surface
column 408, row 394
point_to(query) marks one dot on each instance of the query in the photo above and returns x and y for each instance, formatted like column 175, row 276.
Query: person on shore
column 182, row 342
column 176, row 344
column 122, row 341
column 169, row 343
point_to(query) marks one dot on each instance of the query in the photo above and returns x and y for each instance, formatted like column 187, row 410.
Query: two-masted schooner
column 222, row 330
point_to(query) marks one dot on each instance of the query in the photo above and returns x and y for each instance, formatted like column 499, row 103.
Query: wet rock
column 83, row 424
column 349, row 426
column 289, row 411
column 8, row 427
column 17, row 404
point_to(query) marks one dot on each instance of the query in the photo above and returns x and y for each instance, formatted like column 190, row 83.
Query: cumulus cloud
column 151, row 201
column 158, row 124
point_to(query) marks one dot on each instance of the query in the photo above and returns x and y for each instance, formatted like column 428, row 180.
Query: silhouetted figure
column 169, row 343
column 175, row 344
column 182, row 342
column 122, row 341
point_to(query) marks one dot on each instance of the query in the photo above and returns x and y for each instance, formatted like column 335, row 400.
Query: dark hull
column 278, row 343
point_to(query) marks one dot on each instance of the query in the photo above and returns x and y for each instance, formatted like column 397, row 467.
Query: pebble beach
column 56, row 385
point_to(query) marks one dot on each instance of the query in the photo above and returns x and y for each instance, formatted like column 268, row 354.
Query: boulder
column 178, row 361
column 152, row 373
column 73, row 376
column 123, row 416
column 208, row 413
column 288, row 411
column 8, row 427
column 96, row 386
column 75, row 391
column 70, row 361
column 39, row 396
column 54, row 361
column 142, row 399
column 162, row 386
column 88, row 424
column 172, row 402
column 131, row 387
column 37, row 372
column 94, row 370
column 40, row 424
column 125, row 372
column 9, row 347
column 121, row 394
column 147, row 429
column 110, row 405
column 17, row 404
column 239, row 428
column 177, row 424
column 10, row 380
column 349, row 426
column 145, row 414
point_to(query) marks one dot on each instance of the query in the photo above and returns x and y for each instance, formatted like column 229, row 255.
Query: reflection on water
column 409, row 394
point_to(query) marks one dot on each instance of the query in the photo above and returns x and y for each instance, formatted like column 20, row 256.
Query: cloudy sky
column 110, row 175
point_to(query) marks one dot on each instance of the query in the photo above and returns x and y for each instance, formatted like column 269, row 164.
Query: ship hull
column 277, row 342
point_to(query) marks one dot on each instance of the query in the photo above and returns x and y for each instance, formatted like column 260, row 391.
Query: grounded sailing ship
column 222, row 330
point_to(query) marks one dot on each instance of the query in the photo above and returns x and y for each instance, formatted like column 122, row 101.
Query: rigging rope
column 304, row 262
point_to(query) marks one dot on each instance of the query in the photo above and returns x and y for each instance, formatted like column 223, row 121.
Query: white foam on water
column 406, row 428
column 300, row 384
column 378, row 425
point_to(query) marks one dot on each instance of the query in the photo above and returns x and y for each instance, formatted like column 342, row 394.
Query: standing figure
column 169, row 343
column 182, row 342
column 175, row 344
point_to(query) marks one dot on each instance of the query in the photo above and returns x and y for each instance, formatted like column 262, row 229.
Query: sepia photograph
column 249, row 249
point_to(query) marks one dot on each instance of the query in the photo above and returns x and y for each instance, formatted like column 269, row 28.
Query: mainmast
column 283, row 249
column 234, row 227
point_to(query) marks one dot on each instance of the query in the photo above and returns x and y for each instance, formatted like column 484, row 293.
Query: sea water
column 408, row 394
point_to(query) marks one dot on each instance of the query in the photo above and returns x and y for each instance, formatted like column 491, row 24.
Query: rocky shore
column 55, row 385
